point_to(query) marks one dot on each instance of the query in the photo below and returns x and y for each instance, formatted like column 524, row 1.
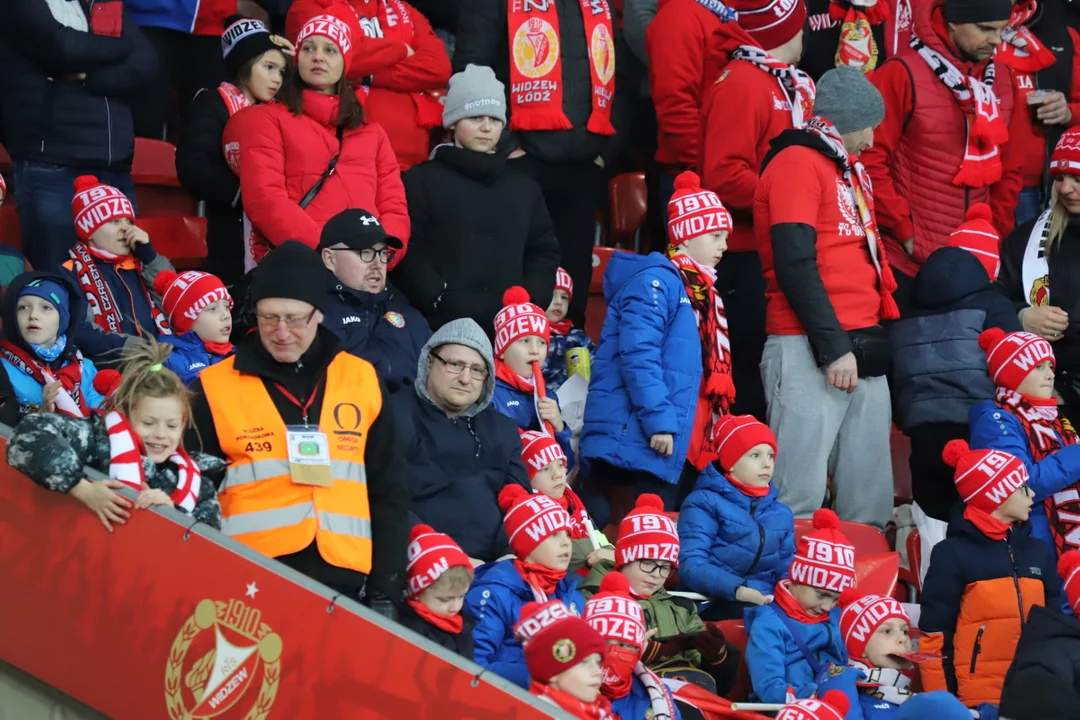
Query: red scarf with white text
column 453, row 625
column 1047, row 433
column 1019, row 48
column 126, row 463
column 857, row 47
column 102, row 303
column 235, row 99
column 600, row 709
column 70, row 400
column 787, row 602
column 572, row 504
column 536, row 67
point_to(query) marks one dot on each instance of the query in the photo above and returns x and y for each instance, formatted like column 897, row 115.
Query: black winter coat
column 456, row 468
column 476, row 231
column 387, row 492
column 939, row 370
column 1049, row 649
column 206, row 175
column 51, row 117
column 460, row 643
column 483, row 39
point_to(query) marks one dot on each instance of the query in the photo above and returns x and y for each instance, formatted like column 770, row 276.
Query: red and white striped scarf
column 126, row 463
column 797, row 86
column 1019, row 48
column 106, row 312
column 235, row 99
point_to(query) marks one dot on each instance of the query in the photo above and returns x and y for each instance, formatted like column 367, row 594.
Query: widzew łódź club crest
column 224, row 663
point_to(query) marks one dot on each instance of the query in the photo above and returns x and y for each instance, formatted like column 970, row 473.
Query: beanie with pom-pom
column 334, row 20
column 96, row 204
column 824, row 558
column 554, row 639
column 646, row 533
column 863, row 615
column 530, row 519
column 694, row 211
column 1066, row 157
column 984, row 478
column 106, row 381
column 519, row 318
column 430, row 554
column 615, row 614
column 833, row 705
column 978, row 236
column 1068, row 568
column 1010, row 357
column 185, row 295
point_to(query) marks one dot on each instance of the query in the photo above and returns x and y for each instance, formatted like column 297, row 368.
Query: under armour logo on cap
column 369, row 220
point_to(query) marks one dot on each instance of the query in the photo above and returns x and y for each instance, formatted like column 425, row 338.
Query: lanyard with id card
column 309, row 449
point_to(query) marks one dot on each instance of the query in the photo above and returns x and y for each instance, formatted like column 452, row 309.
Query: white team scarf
column 660, row 702
column 126, row 463
column 892, row 686
column 796, row 85
column 1035, row 271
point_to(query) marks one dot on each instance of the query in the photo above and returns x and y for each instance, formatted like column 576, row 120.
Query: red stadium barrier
column 164, row 620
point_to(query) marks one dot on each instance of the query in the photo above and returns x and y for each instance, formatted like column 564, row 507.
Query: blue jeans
column 1030, row 205
column 43, row 193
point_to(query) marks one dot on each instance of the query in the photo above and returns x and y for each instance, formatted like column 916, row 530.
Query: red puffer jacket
column 282, row 156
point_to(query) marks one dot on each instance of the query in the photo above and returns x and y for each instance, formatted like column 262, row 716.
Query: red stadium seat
column 597, row 308
column 181, row 239
column 157, row 188
column 868, row 540
column 628, row 198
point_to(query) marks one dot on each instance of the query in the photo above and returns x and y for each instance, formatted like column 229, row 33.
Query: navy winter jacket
column 189, row 355
column 729, row 539
column 939, row 370
column 521, row 408
column 647, row 370
column 997, row 429
column 494, row 602
column 381, row 328
column 456, row 468
column 776, row 662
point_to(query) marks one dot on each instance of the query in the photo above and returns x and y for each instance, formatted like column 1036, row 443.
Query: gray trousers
column 822, row 432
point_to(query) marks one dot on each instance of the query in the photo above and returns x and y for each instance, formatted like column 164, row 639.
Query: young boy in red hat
column 563, row 655
column 737, row 537
column 439, row 575
column 1023, row 421
column 115, row 266
column 539, row 534
column 683, row 647
column 545, row 462
column 564, row 336
column 199, row 310
column 522, row 332
column 634, row 690
column 983, row 578
column 797, row 635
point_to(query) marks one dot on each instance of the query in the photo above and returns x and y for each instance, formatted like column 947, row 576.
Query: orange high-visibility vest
column 260, row 505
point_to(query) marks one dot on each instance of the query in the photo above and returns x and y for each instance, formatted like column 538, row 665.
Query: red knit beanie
column 1066, row 157
column 96, row 204
column 833, row 705
column 332, row 19
column 554, row 639
column 564, row 282
column 693, row 211
column 531, row 518
column 519, row 318
column 824, row 558
column 615, row 614
column 737, row 434
column 646, row 533
column 862, row 616
column 1068, row 568
column 185, row 295
column 771, row 23
column 1011, row 357
column 984, row 478
column 430, row 554
column 538, row 449
column 978, row 236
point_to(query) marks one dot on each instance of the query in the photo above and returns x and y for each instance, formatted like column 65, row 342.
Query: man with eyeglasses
column 459, row 450
column 315, row 478
column 374, row 321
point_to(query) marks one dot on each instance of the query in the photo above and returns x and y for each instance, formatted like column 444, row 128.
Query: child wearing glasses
column 1023, row 420
column 199, row 309
column 682, row 646
column 114, row 266
column 983, row 578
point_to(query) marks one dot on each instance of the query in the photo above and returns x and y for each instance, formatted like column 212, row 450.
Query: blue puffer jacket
column 189, row 356
column 998, row 429
column 520, row 407
column 729, row 539
column 555, row 365
column 494, row 602
column 647, row 370
column 775, row 661
column 637, row 705
column 939, row 370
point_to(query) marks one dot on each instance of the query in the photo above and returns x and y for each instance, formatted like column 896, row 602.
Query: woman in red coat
column 288, row 146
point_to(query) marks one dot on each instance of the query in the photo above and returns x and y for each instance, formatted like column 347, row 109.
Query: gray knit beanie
column 463, row 331
column 848, row 100
column 474, row 92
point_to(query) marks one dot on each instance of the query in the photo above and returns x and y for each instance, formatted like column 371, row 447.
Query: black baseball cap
column 358, row 230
